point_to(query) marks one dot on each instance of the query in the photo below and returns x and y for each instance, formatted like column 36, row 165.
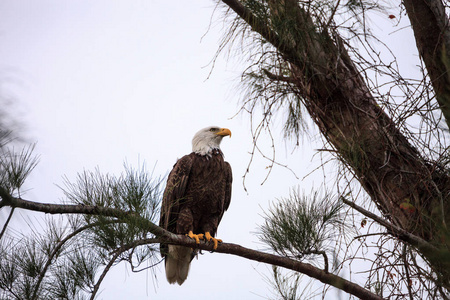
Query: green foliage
column 22, row 261
column 8, row 268
column 299, row 226
column 82, row 269
column 133, row 191
column 15, row 167
column 69, row 259
column 303, row 227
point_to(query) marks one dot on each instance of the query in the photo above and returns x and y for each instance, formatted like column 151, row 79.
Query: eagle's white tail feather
column 178, row 261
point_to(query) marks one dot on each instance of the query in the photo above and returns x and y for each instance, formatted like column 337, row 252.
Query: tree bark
column 431, row 28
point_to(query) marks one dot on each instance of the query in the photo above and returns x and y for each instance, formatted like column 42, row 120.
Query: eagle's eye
column 213, row 129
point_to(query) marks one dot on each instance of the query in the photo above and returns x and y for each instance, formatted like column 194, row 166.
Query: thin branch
column 408, row 278
column 105, row 271
column 276, row 77
column 6, row 223
column 55, row 253
column 402, row 234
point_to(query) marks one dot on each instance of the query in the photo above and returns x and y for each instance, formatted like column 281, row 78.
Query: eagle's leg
column 208, row 237
column 196, row 237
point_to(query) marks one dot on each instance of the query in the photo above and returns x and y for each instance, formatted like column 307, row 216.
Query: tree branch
column 105, row 271
column 276, row 77
column 6, row 223
column 55, row 253
column 49, row 208
column 398, row 232
column 233, row 249
column 165, row 236
column 325, row 257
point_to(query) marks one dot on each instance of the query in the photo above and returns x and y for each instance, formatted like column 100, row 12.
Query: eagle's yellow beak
column 224, row 132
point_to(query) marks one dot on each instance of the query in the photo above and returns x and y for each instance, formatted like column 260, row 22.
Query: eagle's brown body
column 197, row 194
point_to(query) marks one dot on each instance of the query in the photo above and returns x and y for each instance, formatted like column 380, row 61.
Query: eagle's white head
column 208, row 138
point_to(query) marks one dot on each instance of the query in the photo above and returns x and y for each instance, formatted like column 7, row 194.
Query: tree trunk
column 432, row 32
column 367, row 140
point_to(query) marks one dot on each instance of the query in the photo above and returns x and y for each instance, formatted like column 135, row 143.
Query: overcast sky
column 97, row 83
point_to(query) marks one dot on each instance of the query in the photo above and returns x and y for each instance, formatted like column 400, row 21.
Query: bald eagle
column 197, row 193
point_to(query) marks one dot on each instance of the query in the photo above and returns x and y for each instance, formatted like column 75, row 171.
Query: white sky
column 101, row 82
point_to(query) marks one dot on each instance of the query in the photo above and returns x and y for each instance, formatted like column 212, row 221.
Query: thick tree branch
column 233, row 249
column 165, row 236
column 48, row 208
column 253, row 21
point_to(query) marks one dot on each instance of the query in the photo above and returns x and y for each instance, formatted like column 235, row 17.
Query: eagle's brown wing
column 229, row 181
column 174, row 195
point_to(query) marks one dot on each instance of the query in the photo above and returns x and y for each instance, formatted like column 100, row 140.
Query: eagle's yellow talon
column 208, row 237
column 196, row 237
